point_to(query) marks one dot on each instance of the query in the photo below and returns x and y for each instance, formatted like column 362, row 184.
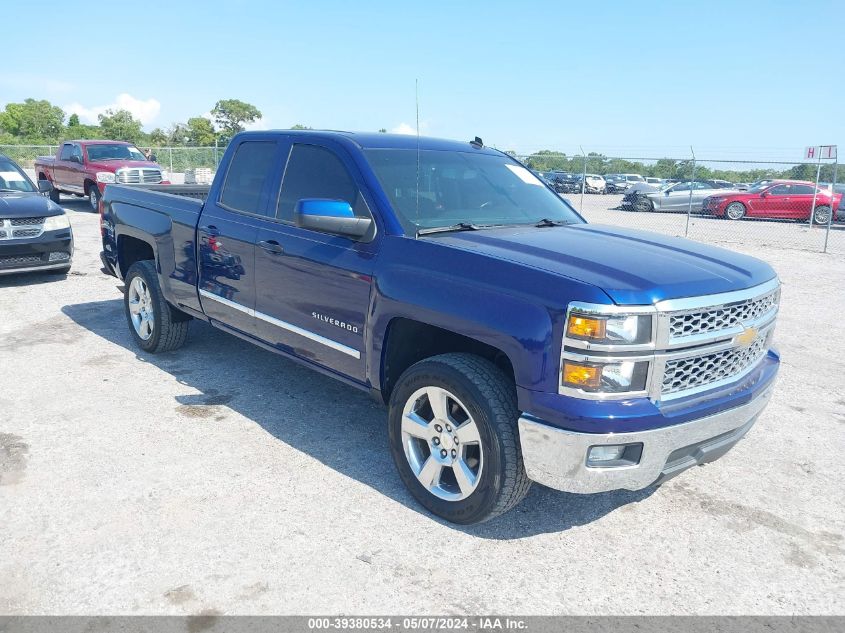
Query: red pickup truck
column 84, row 168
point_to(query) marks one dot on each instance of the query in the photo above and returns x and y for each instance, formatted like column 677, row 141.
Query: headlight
column 630, row 329
column 613, row 377
column 56, row 222
column 105, row 176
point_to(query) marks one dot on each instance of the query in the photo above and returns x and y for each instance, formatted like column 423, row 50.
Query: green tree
column 158, row 137
column 232, row 114
column 383, row 130
column 73, row 121
column 299, row 126
column 33, row 121
column 177, row 134
column 120, row 125
column 201, row 132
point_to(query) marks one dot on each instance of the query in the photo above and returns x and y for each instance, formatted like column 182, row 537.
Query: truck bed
column 198, row 192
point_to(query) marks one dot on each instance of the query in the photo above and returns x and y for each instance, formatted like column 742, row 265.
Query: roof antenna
column 417, row 97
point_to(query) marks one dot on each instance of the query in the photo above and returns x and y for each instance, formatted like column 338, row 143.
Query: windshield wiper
column 460, row 226
column 548, row 222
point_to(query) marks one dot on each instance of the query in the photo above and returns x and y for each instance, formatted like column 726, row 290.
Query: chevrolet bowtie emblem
column 748, row 336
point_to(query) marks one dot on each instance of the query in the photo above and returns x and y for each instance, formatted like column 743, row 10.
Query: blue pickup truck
column 511, row 340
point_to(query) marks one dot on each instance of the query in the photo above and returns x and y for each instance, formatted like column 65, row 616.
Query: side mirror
column 763, row 194
column 330, row 216
column 75, row 159
column 45, row 186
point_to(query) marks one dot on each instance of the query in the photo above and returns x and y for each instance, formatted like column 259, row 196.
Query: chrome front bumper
column 558, row 458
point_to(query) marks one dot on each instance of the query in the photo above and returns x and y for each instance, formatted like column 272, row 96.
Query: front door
column 227, row 232
column 314, row 288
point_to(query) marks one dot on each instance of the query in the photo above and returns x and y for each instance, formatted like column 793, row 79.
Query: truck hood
column 27, row 205
column 114, row 165
column 631, row 267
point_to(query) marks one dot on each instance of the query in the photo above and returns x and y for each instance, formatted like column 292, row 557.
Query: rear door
column 228, row 229
column 314, row 288
column 802, row 202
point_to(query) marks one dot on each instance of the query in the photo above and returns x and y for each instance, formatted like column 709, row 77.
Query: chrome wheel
column 735, row 211
column 822, row 215
column 442, row 443
column 141, row 308
column 94, row 198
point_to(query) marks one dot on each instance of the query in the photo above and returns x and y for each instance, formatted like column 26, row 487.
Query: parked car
column 682, row 196
column 724, row 184
column 655, row 182
column 781, row 199
column 511, row 340
column 564, row 182
column 623, row 182
column 35, row 233
column 592, row 183
column 86, row 167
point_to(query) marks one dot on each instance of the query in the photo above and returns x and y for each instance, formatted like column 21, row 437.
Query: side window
column 780, row 190
column 67, row 149
column 683, row 186
column 802, row 190
column 249, row 171
column 316, row 172
column 77, row 151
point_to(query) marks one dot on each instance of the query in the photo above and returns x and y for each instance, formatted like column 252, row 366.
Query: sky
column 749, row 79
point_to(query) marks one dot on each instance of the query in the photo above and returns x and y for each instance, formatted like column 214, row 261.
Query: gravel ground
column 224, row 479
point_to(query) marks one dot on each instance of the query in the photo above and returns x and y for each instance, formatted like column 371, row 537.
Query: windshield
column 114, row 152
column 457, row 187
column 12, row 178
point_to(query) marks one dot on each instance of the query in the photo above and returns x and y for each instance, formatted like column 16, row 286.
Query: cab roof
column 378, row 140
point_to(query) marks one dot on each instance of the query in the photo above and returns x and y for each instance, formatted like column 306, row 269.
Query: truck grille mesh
column 722, row 317
column 698, row 371
column 15, row 228
column 130, row 176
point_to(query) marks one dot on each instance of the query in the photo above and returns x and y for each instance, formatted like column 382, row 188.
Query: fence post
column 170, row 151
column 583, row 179
column 692, row 184
column 832, row 200
column 816, row 189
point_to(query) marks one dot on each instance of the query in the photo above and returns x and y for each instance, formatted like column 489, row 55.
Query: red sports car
column 779, row 199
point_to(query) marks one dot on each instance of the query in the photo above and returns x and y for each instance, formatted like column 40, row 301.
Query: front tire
column 453, row 435
column 822, row 215
column 55, row 196
column 735, row 211
column 643, row 204
column 154, row 325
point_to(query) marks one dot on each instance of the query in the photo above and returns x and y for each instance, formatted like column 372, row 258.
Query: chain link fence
column 722, row 201
column 175, row 160
column 711, row 200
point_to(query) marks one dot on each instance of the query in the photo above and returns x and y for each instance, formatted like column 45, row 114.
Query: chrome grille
column 134, row 176
column 719, row 318
column 698, row 371
column 26, row 232
column 16, row 228
column 27, row 221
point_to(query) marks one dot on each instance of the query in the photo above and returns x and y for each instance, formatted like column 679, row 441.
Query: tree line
column 548, row 160
column 39, row 122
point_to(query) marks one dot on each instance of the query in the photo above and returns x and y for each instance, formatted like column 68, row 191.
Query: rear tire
column 822, row 215
column 155, row 326
column 462, row 459
column 735, row 211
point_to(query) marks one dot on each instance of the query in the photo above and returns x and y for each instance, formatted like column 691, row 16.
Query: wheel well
column 130, row 250
column 88, row 184
column 408, row 342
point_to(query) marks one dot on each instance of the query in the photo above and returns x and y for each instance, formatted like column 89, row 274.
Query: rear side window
column 802, row 190
column 249, row 172
column 316, row 172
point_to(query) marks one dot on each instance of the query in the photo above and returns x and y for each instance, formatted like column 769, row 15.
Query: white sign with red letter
column 820, row 152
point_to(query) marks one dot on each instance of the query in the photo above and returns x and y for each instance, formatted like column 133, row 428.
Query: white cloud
column 145, row 110
column 260, row 124
column 404, row 128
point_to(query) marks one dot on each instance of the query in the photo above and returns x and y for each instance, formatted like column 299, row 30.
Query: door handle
column 271, row 246
column 211, row 230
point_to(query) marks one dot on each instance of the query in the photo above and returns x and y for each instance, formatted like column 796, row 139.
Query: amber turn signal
column 586, row 327
column 578, row 375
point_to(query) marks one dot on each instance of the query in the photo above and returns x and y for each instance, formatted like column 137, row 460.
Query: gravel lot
column 224, row 479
